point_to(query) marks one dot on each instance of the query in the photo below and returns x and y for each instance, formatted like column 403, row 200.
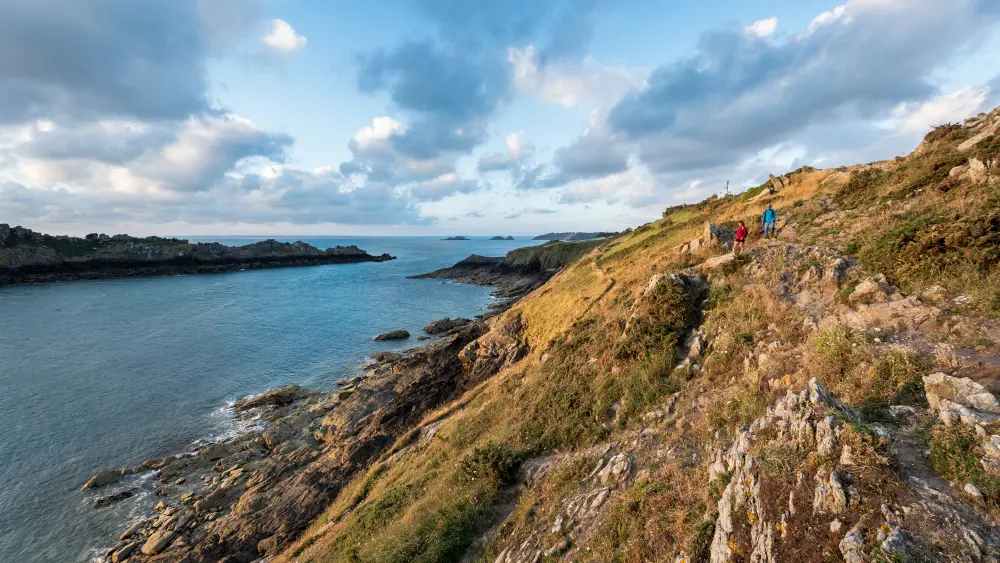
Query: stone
column 977, row 171
column 132, row 530
column 114, row 499
column 445, row 325
column 158, row 542
column 718, row 261
column 960, row 390
column 958, row 171
column 935, row 295
column 213, row 501
column 103, row 479
column 618, row 468
column 124, row 552
column 973, row 492
column 852, row 546
column 273, row 398
column 829, row 496
column 384, row 357
column 873, row 290
column 393, row 335
column 836, row 525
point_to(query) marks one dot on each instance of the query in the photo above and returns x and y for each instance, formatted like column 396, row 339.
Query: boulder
column 874, row 290
column 104, row 478
column 274, row 398
column 935, row 295
column 960, row 390
column 383, row 357
column 213, row 501
column 718, row 261
column 124, row 553
column 393, row 335
column 158, row 542
column 977, row 170
column 445, row 325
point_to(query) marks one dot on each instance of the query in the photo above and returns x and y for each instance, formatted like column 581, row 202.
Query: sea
column 97, row 375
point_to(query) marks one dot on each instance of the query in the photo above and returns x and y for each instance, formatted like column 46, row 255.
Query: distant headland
column 28, row 257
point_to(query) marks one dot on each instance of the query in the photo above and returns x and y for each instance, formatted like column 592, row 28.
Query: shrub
column 494, row 462
column 862, row 186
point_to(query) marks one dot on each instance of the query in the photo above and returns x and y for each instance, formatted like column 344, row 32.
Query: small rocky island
column 455, row 238
column 502, row 238
column 28, row 257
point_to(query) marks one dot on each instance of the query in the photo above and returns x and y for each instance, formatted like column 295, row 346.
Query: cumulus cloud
column 447, row 89
column 920, row 117
column 283, row 39
column 762, row 28
column 739, row 94
column 571, row 83
column 635, row 186
column 517, row 152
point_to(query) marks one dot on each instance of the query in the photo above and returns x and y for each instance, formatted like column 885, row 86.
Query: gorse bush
column 494, row 462
column 862, row 186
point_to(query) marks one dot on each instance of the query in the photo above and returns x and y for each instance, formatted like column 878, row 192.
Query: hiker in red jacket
column 741, row 237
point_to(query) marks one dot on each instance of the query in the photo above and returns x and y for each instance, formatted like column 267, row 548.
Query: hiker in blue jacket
column 769, row 220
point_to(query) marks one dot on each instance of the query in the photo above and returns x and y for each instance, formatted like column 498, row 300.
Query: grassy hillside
column 551, row 255
column 599, row 446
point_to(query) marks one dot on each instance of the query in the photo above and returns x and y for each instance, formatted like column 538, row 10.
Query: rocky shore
column 252, row 495
column 30, row 257
column 510, row 282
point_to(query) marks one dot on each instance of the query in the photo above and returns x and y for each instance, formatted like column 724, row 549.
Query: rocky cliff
column 828, row 395
column 27, row 256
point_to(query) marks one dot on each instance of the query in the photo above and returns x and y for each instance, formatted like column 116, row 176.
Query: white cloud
column 283, row 39
column 636, row 186
column 380, row 130
column 515, row 144
column 572, row 84
column 763, row 28
column 947, row 108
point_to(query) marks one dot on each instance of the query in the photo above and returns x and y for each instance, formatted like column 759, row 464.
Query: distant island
column 502, row 238
column 29, row 257
column 575, row 236
column 455, row 238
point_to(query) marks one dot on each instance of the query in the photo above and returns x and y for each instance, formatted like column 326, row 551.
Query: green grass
column 551, row 255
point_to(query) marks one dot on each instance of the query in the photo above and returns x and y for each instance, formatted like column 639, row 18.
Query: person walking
column 770, row 220
column 741, row 237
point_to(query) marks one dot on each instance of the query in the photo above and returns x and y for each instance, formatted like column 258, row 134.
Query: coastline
column 98, row 270
column 305, row 446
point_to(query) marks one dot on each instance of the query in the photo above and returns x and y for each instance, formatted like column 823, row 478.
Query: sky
column 446, row 117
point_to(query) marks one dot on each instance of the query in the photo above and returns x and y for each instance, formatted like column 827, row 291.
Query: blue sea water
column 102, row 374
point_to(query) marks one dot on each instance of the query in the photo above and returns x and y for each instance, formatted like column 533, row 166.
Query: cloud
column 443, row 186
column 517, row 153
column 571, row 83
column 142, row 60
column 636, row 186
column 920, row 117
column 188, row 156
column 283, row 39
column 738, row 94
column 448, row 88
column 595, row 154
column 762, row 28
column 284, row 196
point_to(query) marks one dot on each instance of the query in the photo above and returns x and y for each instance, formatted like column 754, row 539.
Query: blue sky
column 457, row 116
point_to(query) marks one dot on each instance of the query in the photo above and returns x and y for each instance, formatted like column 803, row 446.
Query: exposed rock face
column 27, row 256
column 393, row 335
column 511, row 282
column 799, row 420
